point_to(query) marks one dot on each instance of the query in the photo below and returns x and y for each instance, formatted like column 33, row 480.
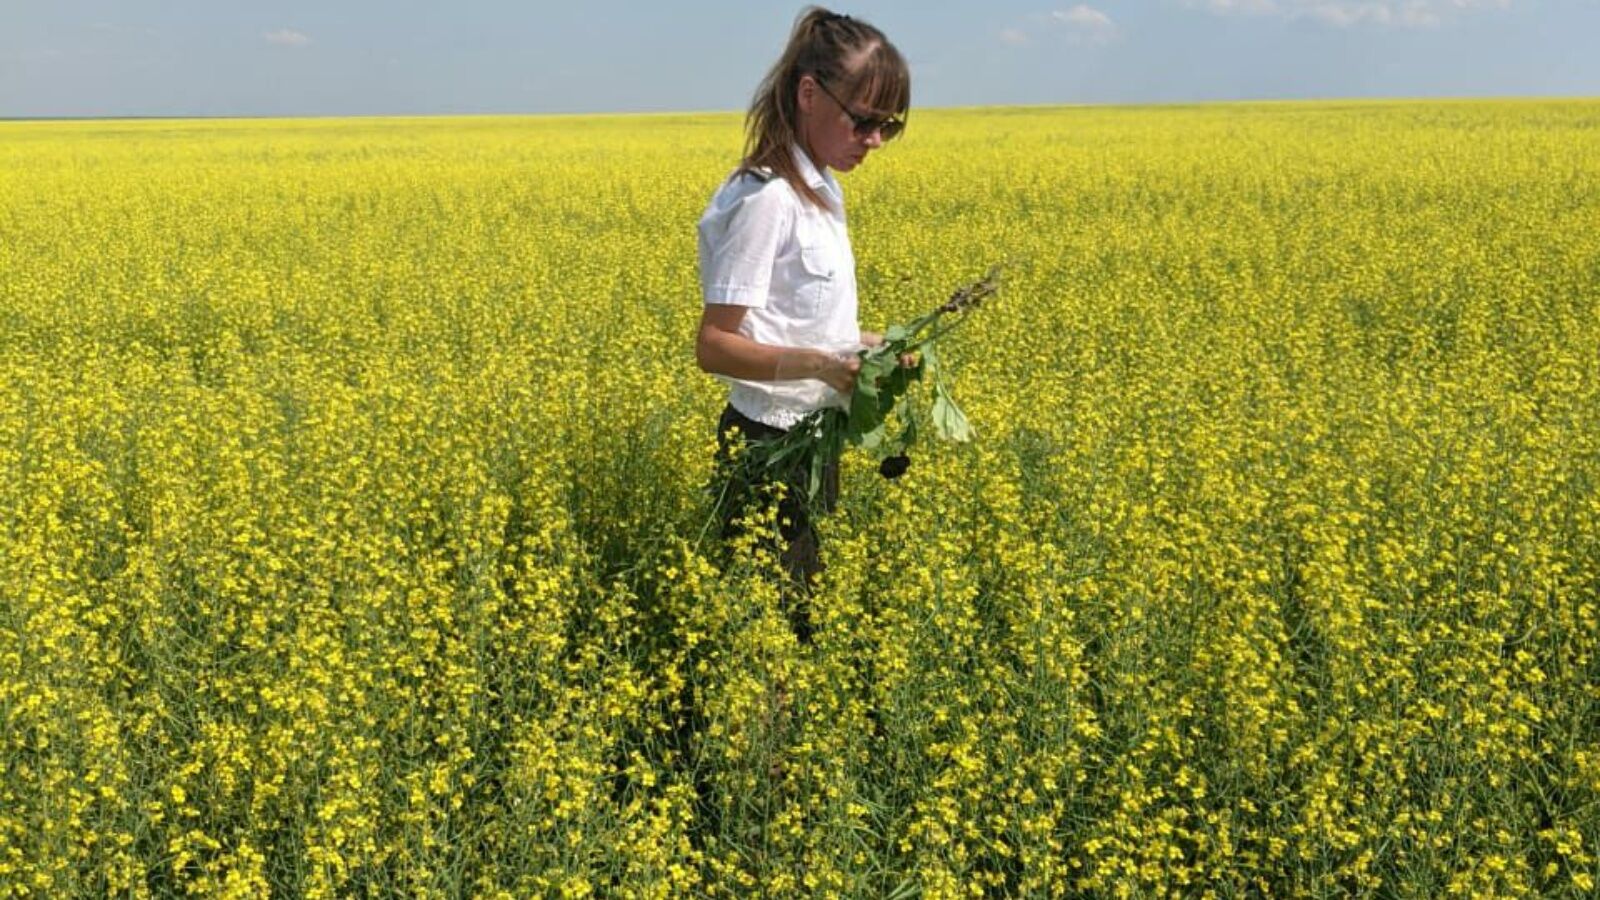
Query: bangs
column 883, row 83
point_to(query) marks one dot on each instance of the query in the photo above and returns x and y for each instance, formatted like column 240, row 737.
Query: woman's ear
column 805, row 93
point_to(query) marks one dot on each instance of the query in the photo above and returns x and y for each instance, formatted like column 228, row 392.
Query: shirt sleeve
column 738, row 248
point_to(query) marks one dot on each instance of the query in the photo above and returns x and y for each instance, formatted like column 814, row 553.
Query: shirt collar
column 823, row 181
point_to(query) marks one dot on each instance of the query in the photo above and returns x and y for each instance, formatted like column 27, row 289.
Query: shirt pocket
column 819, row 273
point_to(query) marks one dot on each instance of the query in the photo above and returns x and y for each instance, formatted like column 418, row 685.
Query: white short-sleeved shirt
column 764, row 247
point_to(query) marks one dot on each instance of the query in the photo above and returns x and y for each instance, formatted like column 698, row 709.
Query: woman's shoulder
column 755, row 187
column 759, row 174
column 746, row 180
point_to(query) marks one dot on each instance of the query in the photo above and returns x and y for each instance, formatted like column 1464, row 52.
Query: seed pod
column 894, row 466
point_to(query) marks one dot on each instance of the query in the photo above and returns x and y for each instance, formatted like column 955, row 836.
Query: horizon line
column 1367, row 98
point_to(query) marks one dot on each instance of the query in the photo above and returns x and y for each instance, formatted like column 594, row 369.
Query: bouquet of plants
column 881, row 391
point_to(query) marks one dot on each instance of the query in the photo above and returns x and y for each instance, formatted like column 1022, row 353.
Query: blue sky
column 363, row 57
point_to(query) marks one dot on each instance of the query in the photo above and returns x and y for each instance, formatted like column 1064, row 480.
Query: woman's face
column 828, row 132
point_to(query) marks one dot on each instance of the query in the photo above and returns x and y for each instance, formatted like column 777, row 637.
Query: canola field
column 353, row 481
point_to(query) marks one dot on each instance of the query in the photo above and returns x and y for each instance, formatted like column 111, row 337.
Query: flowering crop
column 350, row 476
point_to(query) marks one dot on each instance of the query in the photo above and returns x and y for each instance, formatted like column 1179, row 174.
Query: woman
column 776, row 271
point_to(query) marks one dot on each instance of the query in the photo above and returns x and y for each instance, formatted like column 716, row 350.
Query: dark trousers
column 741, row 487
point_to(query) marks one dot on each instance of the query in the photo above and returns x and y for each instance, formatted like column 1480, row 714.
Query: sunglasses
column 887, row 126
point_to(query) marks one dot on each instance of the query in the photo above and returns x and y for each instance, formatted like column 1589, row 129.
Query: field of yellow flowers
column 353, row 481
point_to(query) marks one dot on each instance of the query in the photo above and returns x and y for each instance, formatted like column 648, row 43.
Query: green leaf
column 895, row 333
column 871, row 439
column 873, row 370
column 930, row 362
column 896, row 382
column 885, row 405
column 776, row 451
column 864, row 415
column 948, row 419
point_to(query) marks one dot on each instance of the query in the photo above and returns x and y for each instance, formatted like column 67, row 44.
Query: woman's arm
column 720, row 349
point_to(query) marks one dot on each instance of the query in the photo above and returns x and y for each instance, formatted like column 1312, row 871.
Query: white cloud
column 287, row 37
column 1226, row 7
column 1085, row 24
column 1348, row 13
column 1082, row 24
column 1082, row 16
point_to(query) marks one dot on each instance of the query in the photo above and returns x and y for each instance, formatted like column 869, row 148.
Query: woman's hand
column 874, row 339
column 838, row 371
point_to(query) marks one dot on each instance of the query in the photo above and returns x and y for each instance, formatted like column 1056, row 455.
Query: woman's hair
column 851, row 57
